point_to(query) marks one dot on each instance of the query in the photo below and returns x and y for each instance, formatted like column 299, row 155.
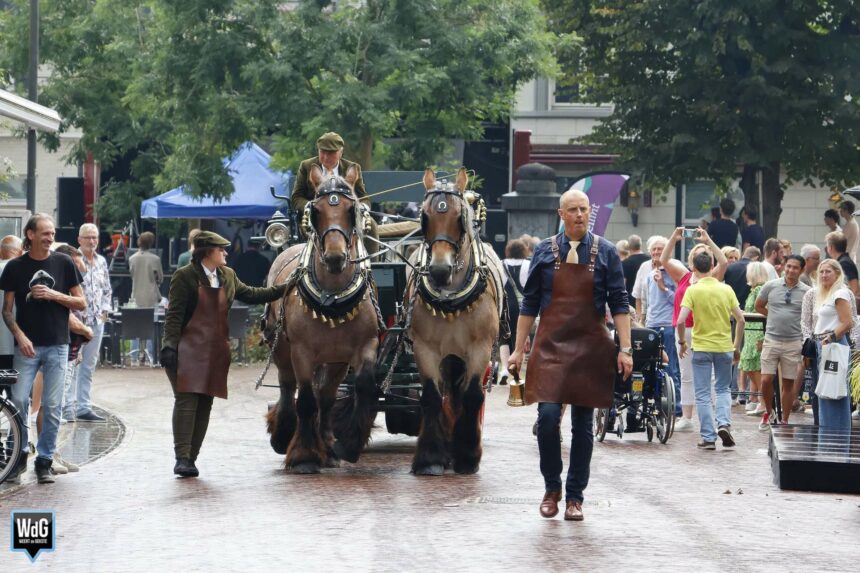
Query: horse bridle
column 332, row 191
column 442, row 206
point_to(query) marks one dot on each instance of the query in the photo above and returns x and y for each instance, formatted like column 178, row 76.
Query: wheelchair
column 644, row 402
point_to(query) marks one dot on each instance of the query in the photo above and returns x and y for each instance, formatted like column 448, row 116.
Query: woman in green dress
column 750, row 363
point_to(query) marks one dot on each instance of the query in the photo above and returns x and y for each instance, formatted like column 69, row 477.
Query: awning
column 23, row 110
column 252, row 178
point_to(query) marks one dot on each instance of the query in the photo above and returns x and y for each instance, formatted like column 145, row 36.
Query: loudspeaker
column 68, row 235
column 70, row 202
column 496, row 230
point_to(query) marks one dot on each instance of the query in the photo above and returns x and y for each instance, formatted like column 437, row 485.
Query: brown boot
column 549, row 505
column 573, row 511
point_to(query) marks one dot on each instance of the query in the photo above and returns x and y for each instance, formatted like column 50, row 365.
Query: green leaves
column 164, row 90
column 750, row 82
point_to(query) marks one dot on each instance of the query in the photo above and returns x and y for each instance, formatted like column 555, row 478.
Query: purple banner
column 603, row 190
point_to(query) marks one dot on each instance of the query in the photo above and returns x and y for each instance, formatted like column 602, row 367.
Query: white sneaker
column 684, row 425
column 856, row 413
column 751, row 406
column 756, row 412
column 66, row 465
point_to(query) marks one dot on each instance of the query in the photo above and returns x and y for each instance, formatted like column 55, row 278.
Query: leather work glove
column 169, row 358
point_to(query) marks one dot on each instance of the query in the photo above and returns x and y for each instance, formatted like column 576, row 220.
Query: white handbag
column 833, row 371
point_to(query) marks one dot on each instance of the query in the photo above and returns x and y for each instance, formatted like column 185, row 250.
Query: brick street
column 648, row 506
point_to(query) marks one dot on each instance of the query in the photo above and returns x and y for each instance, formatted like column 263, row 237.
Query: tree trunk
column 365, row 150
column 750, row 189
column 772, row 195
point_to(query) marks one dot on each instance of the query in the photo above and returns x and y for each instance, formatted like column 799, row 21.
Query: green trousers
column 190, row 419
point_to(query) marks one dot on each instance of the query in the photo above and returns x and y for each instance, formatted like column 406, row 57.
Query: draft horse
column 456, row 309
column 326, row 324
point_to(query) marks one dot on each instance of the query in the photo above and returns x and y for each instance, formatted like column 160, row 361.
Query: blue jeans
column 77, row 400
column 721, row 362
column 51, row 360
column 549, row 446
column 674, row 366
column 832, row 414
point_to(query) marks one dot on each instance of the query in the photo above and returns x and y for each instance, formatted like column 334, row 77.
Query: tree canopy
column 170, row 88
column 703, row 89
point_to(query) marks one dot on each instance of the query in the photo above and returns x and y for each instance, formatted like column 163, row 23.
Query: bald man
column 572, row 279
column 10, row 248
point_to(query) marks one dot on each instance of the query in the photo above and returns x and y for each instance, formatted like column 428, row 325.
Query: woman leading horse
column 196, row 352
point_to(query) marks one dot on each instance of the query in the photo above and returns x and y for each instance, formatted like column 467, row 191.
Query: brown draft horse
column 329, row 325
column 454, row 325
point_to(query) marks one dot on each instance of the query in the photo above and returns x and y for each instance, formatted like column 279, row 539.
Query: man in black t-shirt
column 631, row 264
column 752, row 234
column 837, row 247
column 39, row 289
column 724, row 231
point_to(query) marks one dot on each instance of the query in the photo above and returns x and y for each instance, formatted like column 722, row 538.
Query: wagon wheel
column 665, row 414
column 601, row 418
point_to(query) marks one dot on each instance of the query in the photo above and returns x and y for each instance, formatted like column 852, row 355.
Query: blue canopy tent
column 252, row 178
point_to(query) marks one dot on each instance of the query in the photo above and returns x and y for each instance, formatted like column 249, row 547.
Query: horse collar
column 330, row 307
column 454, row 302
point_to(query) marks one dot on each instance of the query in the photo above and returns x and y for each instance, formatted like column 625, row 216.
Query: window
column 14, row 191
column 564, row 96
column 699, row 197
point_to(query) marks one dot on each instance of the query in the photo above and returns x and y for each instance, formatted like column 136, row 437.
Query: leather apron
column 204, row 347
column 573, row 359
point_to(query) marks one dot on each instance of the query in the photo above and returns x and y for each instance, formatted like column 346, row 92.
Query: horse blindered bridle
column 332, row 191
column 440, row 200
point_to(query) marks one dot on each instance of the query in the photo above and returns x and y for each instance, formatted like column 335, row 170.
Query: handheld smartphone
column 690, row 232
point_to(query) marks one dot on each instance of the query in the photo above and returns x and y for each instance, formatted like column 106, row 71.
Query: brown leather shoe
column 549, row 505
column 573, row 511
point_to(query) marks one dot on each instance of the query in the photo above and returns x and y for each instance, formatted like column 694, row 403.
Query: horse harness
column 445, row 303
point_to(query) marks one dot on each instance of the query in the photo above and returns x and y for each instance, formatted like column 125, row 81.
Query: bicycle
column 11, row 428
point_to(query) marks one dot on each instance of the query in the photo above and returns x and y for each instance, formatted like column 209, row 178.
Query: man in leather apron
column 196, row 349
column 572, row 278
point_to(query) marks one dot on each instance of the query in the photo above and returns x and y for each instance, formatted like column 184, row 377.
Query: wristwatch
column 627, row 350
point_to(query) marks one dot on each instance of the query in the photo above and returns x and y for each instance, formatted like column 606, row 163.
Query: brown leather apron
column 204, row 347
column 573, row 360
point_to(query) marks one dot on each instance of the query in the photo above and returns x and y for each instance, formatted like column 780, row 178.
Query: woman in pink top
column 683, row 277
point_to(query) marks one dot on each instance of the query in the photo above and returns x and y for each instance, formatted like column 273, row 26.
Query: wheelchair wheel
column 666, row 410
column 11, row 438
column 601, row 420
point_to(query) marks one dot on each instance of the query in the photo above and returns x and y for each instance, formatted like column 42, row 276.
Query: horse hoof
column 278, row 447
column 466, row 468
column 341, row 452
column 332, row 462
column 431, row 470
column 305, row 468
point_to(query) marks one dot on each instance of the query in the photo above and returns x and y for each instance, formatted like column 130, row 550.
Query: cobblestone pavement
column 648, row 506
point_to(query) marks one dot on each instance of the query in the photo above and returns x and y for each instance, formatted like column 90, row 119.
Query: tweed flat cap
column 210, row 239
column 330, row 142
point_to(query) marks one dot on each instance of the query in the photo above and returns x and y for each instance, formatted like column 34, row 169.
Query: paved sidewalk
column 648, row 506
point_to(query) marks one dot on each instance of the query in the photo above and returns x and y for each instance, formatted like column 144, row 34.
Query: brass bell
column 516, row 392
